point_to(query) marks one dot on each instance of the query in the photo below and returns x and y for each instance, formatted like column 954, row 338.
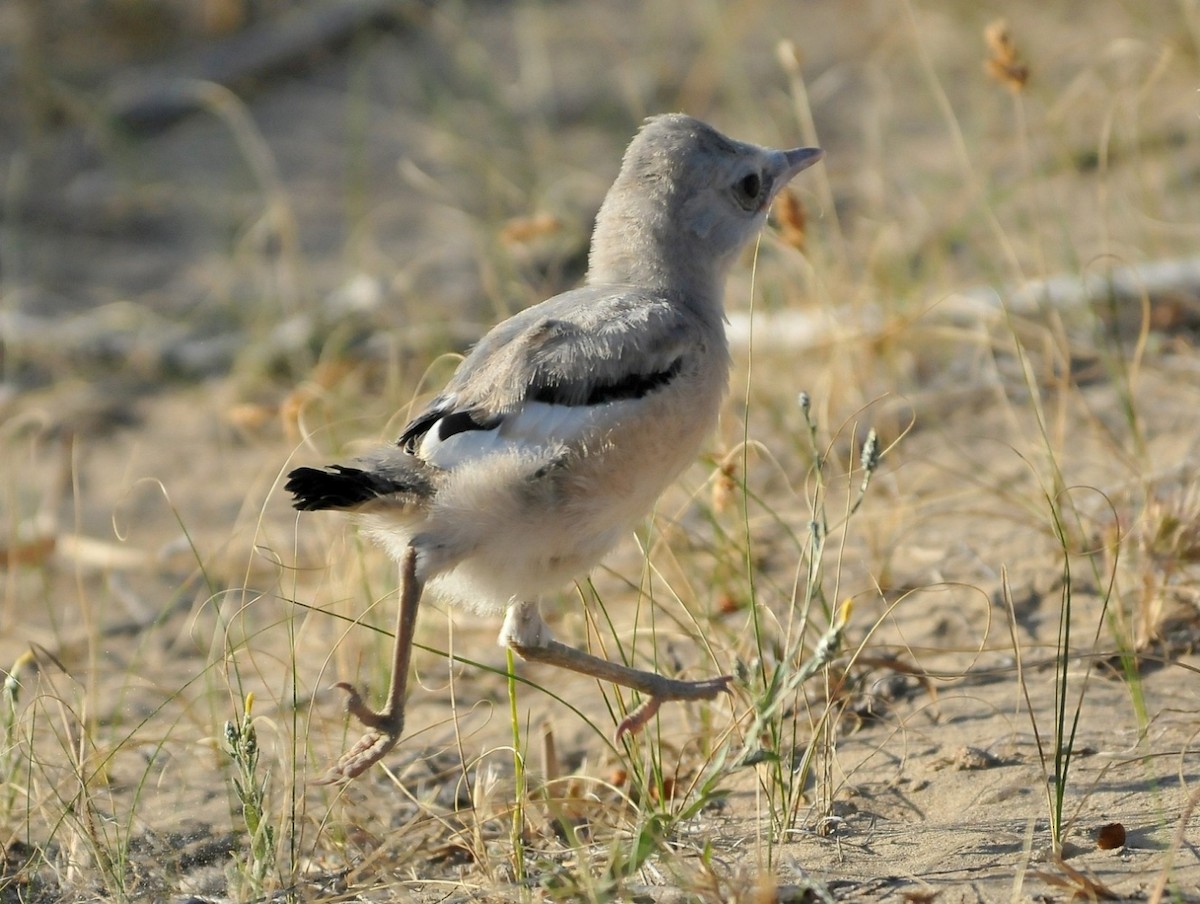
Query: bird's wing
column 546, row 374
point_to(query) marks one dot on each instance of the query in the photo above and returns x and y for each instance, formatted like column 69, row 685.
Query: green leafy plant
column 257, row 862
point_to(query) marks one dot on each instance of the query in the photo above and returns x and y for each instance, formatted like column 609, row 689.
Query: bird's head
column 687, row 199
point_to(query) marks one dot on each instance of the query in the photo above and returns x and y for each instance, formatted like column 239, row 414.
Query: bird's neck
column 632, row 248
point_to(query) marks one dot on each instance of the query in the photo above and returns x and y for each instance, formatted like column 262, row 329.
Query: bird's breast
column 530, row 518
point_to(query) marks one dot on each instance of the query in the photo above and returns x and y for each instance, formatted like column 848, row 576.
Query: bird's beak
column 798, row 159
column 789, row 163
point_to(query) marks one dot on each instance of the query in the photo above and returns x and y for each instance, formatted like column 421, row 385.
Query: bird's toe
column 384, row 728
column 385, row 721
column 370, row 749
column 706, row 689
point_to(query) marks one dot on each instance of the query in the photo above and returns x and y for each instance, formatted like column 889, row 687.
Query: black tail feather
column 339, row 487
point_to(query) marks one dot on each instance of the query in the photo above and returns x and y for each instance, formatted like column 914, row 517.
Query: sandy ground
column 189, row 310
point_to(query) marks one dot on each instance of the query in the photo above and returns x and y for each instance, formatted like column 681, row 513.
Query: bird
column 561, row 427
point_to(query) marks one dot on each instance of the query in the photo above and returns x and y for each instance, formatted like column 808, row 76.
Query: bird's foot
column 384, row 728
column 706, row 689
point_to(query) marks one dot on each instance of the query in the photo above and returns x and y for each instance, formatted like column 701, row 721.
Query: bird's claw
column 637, row 719
column 648, row 708
column 383, row 731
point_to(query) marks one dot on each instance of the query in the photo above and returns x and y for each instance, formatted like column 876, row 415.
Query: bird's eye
column 748, row 189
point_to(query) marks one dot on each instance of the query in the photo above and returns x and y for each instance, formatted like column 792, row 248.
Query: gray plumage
column 565, row 422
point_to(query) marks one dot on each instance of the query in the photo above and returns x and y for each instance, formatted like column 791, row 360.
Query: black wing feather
column 631, row 386
column 449, row 422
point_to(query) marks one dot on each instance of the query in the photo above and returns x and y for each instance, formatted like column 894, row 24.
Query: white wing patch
column 533, row 429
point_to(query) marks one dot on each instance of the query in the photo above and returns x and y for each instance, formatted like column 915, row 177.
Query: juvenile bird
column 564, row 424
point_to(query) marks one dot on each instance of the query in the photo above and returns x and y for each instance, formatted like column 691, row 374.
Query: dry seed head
column 727, row 604
column 999, row 41
column 1171, row 528
column 724, row 485
column 842, row 617
column 12, row 679
column 869, row 459
column 291, row 409
column 1004, row 62
column 520, row 230
column 249, row 416
column 325, row 376
column 667, row 791
column 793, row 222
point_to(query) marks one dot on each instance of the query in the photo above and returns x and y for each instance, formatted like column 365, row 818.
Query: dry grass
column 187, row 313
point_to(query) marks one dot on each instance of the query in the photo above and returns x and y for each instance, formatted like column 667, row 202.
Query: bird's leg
column 384, row 726
column 528, row 635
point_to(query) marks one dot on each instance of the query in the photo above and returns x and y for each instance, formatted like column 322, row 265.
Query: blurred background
column 225, row 165
column 241, row 234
